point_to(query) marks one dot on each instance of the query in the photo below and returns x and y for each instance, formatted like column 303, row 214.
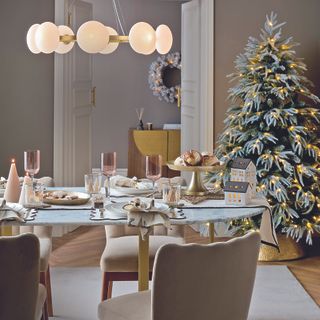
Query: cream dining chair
column 207, row 282
column 44, row 234
column 119, row 261
column 21, row 295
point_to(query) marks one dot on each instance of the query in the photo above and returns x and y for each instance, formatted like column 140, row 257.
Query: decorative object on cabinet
column 165, row 78
column 245, row 171
column 147, row 142
column 140, row 114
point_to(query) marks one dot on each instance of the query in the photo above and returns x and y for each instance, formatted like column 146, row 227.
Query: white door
column 73, row 101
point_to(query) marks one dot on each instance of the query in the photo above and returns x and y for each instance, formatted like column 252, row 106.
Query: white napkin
column 121, row 181
column 12, row 211
column 147, row 216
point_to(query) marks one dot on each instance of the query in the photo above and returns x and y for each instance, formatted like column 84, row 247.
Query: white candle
column 12, row 192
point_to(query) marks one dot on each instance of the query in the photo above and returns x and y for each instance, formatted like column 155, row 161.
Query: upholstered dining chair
column 21, row 295
column 44, row 234
column 194, row 281
column 119, row 261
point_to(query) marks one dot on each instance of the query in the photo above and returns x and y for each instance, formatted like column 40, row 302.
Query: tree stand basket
column 289, row 250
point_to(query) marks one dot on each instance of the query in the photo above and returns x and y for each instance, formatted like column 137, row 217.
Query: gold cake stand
column 196, row 186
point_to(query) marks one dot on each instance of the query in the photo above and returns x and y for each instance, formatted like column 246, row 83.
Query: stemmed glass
column 153, row 169
column 108, row 167
column 32, row 162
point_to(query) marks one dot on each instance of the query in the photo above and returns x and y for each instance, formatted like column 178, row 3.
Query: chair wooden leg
column 45, row 307
column 109, row 294
column 49, row 294
column 45, row 315
column 105, row 286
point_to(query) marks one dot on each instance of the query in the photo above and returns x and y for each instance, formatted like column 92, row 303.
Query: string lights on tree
column 274, row 120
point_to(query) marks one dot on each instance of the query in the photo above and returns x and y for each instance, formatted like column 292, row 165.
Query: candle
column 12, row 192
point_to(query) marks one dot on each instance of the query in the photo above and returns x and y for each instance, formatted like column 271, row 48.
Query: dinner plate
column 83, row 198
column 132, row 191
column 117, row 208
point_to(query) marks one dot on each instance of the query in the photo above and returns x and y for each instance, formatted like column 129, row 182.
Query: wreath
column 156, row 77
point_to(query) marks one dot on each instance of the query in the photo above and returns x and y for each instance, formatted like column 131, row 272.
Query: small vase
column 140, row 126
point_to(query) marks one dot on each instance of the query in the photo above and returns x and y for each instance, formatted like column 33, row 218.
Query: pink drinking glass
column 153, row 168
column 32, row 162
column 108, row 167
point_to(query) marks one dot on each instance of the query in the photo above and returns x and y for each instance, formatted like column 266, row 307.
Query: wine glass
column 153, row 169
column 32, row 162
column 108, row 167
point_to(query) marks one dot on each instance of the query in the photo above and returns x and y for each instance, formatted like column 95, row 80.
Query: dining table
column 208, row 212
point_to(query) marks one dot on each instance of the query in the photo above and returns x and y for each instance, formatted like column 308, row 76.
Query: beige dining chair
column 44, row 234
column 119, row 261
column 194, row 281
column 21, row 295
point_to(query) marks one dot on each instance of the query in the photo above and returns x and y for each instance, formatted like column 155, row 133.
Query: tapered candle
column 12, row 192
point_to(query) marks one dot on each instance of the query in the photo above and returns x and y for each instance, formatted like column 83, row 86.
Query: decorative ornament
column 157, row 81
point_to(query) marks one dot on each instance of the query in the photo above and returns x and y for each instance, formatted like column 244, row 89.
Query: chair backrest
column 19, row 276
column 120, row 231
column 205, row 282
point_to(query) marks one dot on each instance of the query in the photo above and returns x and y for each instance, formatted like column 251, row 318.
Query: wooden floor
column 83, row 247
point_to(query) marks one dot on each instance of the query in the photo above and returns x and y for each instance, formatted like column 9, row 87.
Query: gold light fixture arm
column 66, row 39
column 118, row 39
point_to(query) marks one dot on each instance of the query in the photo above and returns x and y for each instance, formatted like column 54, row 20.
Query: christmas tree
column 274, row 120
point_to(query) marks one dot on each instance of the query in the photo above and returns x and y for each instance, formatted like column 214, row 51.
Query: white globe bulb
column 62, row 47
column 31, row 40
column 142, row 38
column 111, row 46
column 164, row 39
column 92, row 37
column 47, row 37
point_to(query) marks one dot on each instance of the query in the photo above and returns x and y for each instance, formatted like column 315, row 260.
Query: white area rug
column 277, row 295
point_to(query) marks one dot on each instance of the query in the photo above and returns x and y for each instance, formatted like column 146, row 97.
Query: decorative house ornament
column 157, row 79
column 237, row 193
column 94, row 37
column 245, row 171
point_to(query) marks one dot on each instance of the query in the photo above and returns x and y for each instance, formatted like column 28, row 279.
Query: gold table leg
column 143, row 263
column 211, row 232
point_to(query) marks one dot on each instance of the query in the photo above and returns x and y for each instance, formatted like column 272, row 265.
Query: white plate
column 132, row 191
column 117, row 208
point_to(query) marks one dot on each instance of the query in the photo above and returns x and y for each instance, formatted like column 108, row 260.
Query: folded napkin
column 120, row 181
column 12, row 211
column 146, row 216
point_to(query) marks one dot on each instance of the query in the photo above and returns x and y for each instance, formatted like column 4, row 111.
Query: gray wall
column 26, row 86
column 121, row 78
column 235, row 20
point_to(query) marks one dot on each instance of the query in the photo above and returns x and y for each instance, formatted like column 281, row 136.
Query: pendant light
column 94, row 37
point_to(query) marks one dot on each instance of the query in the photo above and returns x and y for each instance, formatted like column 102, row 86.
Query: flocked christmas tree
column 274, row 121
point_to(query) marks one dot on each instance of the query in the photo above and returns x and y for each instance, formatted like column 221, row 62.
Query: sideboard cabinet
column 146, row 142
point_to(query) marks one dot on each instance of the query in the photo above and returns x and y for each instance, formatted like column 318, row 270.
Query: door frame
column 198, row 95
column 63, row 135
column 59, row 112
